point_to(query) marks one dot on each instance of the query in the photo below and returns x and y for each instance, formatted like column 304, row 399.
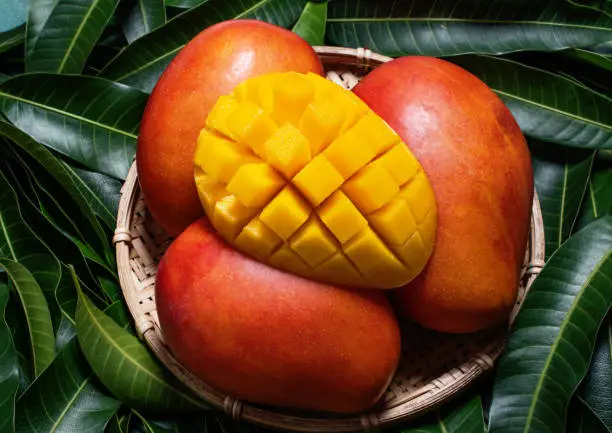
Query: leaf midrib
column 553, row 348
column 129, row 358
column 69, row 405
column 6, row 235
column 67, row 114
column 562, row 210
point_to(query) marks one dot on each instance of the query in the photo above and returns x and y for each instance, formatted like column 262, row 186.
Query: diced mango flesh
column 297, row 172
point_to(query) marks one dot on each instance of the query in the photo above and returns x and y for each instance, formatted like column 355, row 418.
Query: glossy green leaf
column 11, row 38
column 183, row 4
column 9, row 369
column 56, row 169
column 18, row 326
column 547, row 106
column 598, row 198
column 124, row 364
column 36, row 310
column 89, row 119
column 141, row 63
column 65, row 333
column 68, row 35
column 457, row 417
column 442, row 28
column 552, row 340
column 145, row 16
column 311, row 25
column 561, row 178
column 65, row 398
column 596, row 389
column 38, row 14
column 605, row 48
column 582, row 420
column 101, row 191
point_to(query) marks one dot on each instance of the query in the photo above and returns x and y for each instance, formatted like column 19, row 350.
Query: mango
column 296, row 167
column 478, row 164
column 265, row 336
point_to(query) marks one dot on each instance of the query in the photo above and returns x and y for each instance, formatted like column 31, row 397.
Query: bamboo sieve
column 438, row 368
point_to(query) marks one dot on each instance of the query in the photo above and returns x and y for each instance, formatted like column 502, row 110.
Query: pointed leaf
column 561, row 177
column 124, row 365
column 547, row 106
column 311, row 25
column 141, row 63
column 65, row 398
column 598, row 197
column 460, row 417
column 42, row 340
column 9, row 371
column 38, row 14
column 88, row 119
column 553, row 336
column 582, row 420
column 145, row 16
column 442, row 28
column 596, row 389
column 68, row 35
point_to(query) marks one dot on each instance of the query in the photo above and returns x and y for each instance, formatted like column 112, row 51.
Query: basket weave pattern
column 433, row 366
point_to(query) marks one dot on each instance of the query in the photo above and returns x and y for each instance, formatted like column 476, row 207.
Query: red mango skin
column 210, row 65
column 478, row 163
column 265, row 336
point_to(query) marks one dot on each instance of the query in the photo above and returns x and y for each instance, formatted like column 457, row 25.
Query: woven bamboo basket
column 437, row 367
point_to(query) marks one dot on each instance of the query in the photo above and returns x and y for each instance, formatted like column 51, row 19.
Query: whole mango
column 209, row 66
column 478, row 163
column 265, row 336
column 294, row 170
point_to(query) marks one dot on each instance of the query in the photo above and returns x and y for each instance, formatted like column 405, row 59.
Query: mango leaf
column 547, row 106
column 582, row 420
column 208, row 422
column 37, row 314
column 605, row 48
column 11, row 38
column 561, row 179
column 65, row 398
column 552, row 340
column 9, row 368
column 68, row 35
column 183, row 4
column 101, row 191
column 598, row 198
column 124, row 365
column 140, row 64
column 18, row 326
column 459, row 417
column 88, row 119
column 65, row 333
column 596, row 389
column 311, row 25
column 38, row 14
column 119, row 424
column 465, row 26
column 145, row 16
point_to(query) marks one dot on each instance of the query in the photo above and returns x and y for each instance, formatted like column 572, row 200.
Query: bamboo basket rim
column 138, row 248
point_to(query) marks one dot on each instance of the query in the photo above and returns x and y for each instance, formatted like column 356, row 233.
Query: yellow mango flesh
column 297, row 172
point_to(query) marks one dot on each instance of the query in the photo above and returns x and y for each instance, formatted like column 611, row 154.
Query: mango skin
column 209, row 66
column 478, row 164
column 265, row 336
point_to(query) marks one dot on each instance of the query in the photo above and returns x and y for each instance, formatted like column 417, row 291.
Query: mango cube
column 313, row 242
column 286, row 213
column 255, row 184
column 318, row 180
column 299, row 173
column 371, row 188
column 341, row 216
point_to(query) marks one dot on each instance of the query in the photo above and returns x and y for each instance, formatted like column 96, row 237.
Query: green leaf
column 88, row 119
column 552, row 340
column 561, row 178
column 183, row 4
column 547, row 106
column 68, row 35
column 145, row 16
column 101, row 191
column 596, row 389
column 65, row 333
column 11, row 38
column 37, row 314
column 65, row 398
column 124, row 364
column 582, row 420
column 311, row 25
column 598, row 197
column 38, row 14
column 442, row 28
column 458, row 417
column 141, row 63
column 18, row 326
column 9, row 370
